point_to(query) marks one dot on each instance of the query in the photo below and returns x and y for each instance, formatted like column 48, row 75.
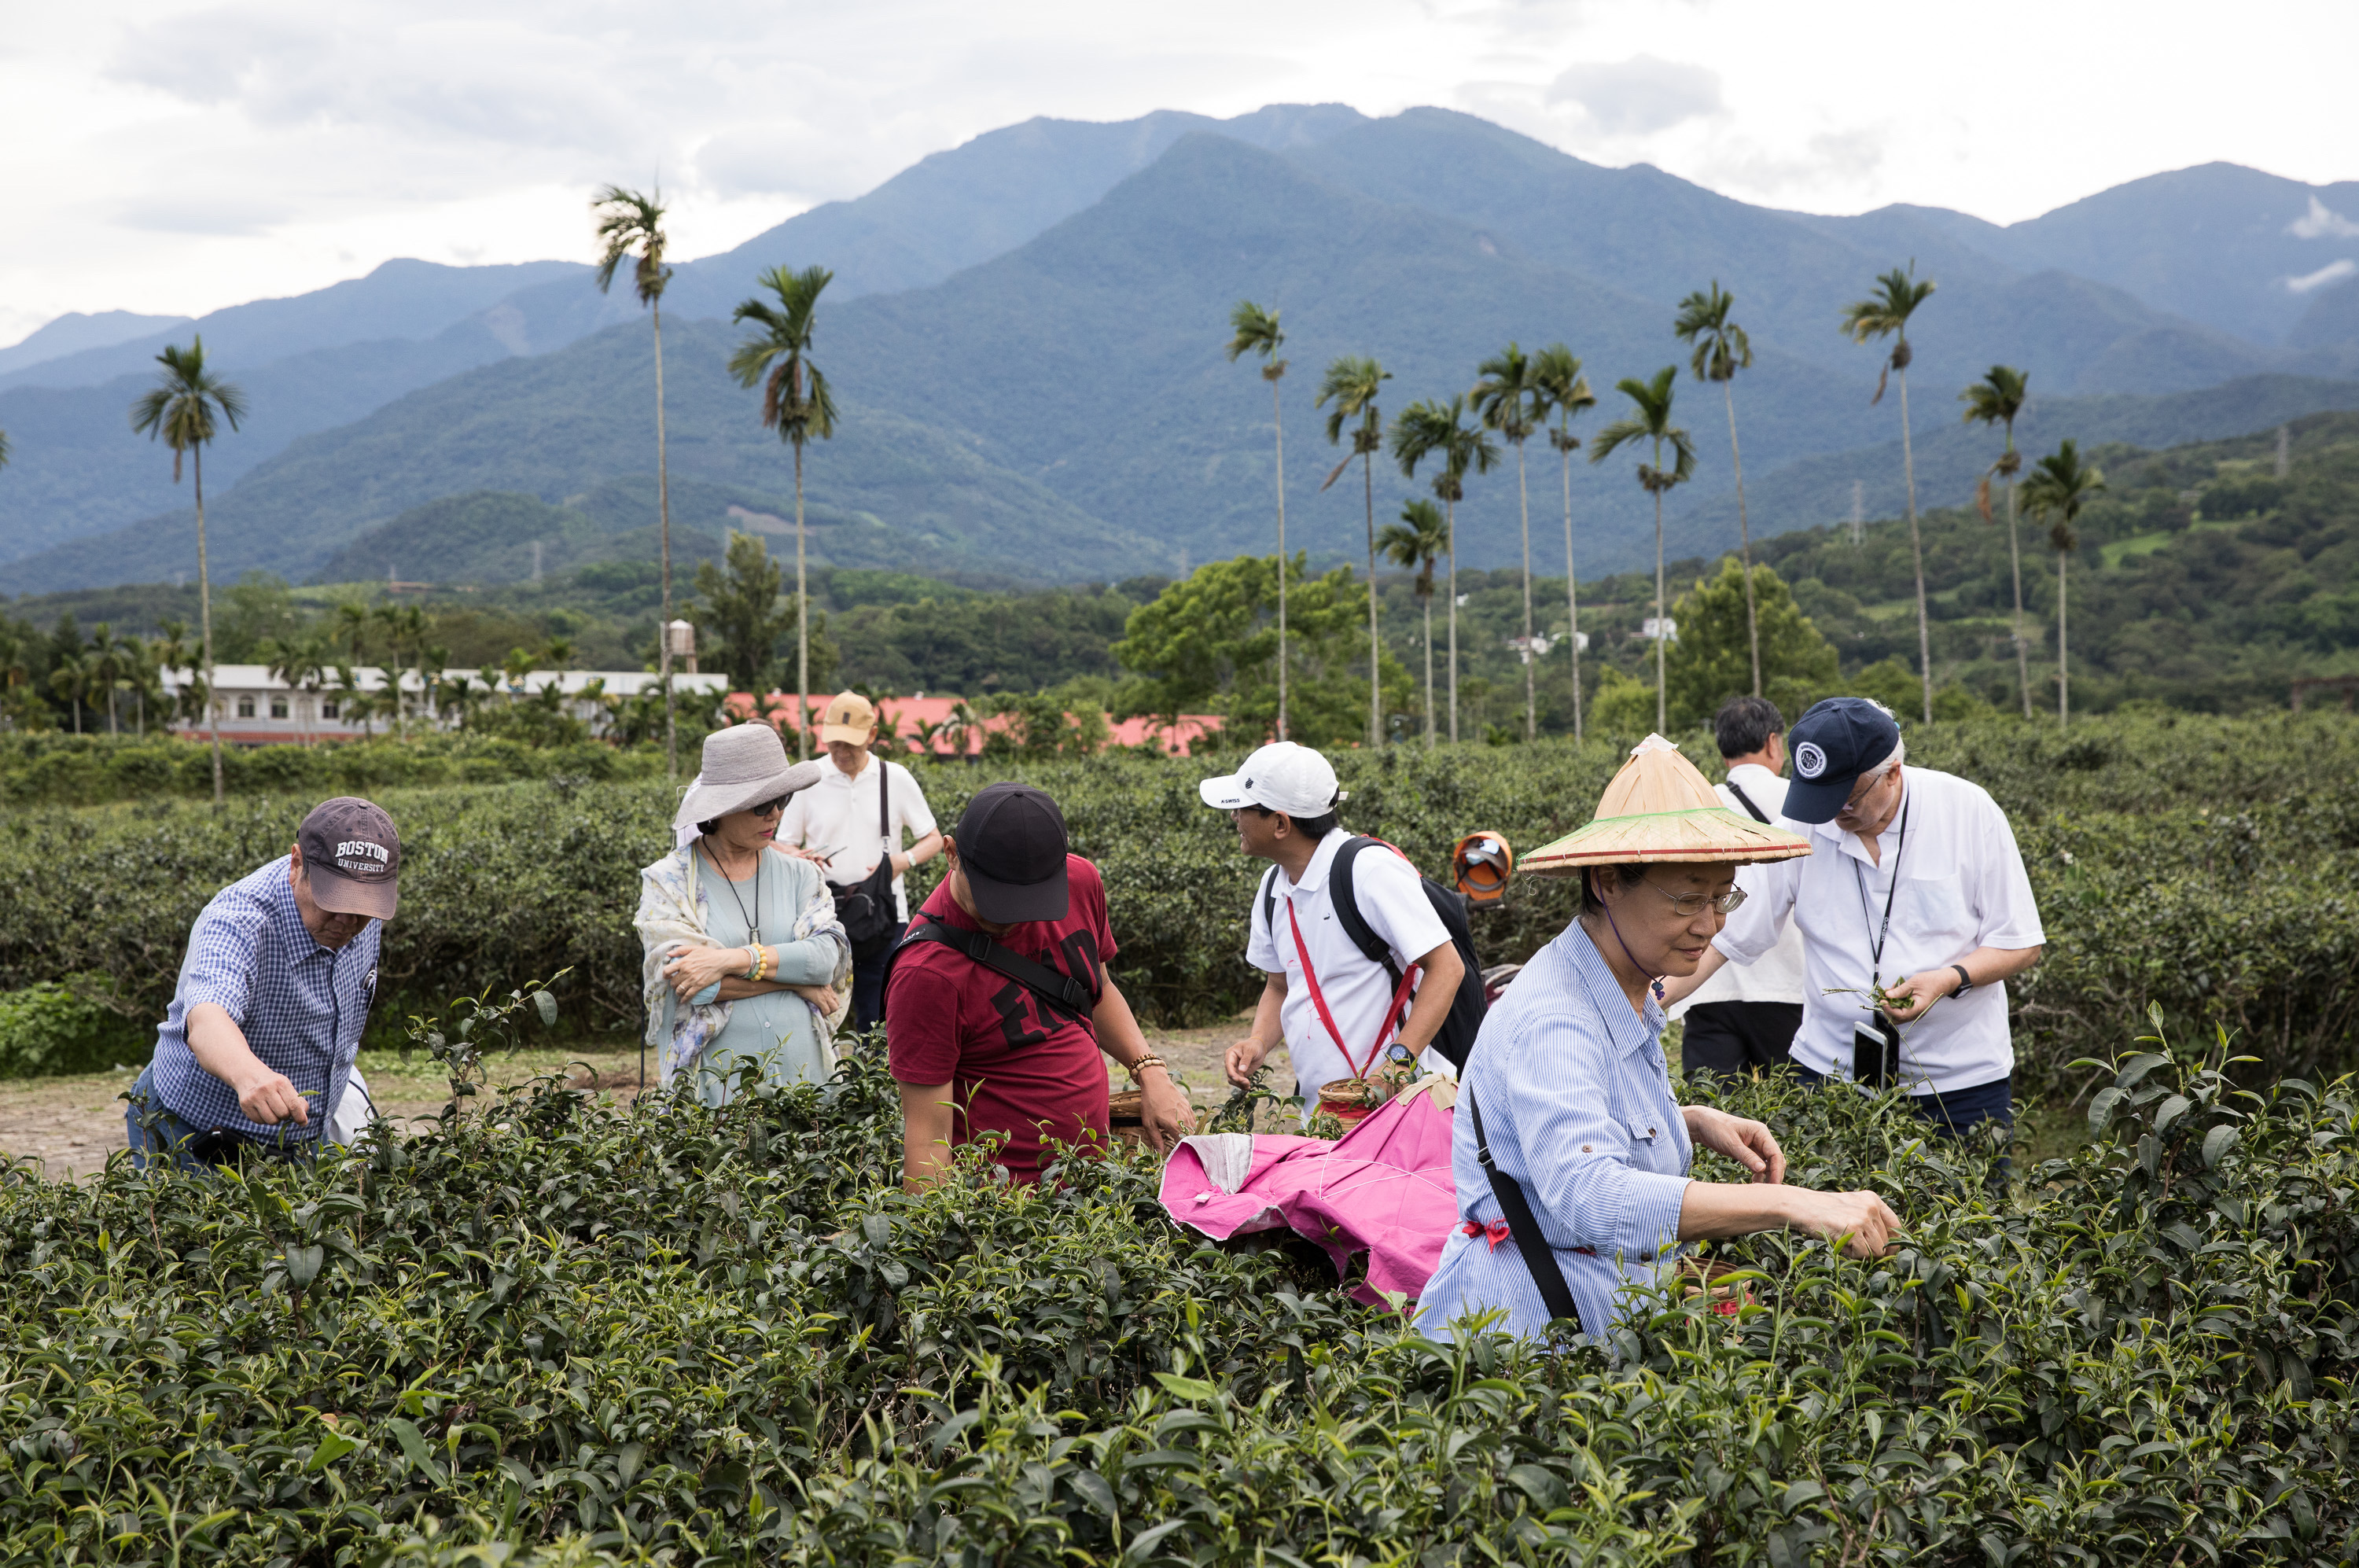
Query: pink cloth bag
column 1384, row 1188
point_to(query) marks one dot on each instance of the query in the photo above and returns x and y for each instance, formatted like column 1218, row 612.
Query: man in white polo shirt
column 851, row 822
column 1745, row 1018
column 1324, row 999
column 1914, row 883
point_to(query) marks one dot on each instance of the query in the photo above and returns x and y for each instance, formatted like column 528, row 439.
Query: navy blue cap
column 1832, row 745
column 1012, row 846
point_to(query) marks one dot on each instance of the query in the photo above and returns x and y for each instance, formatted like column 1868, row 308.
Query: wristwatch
column 1965, row 981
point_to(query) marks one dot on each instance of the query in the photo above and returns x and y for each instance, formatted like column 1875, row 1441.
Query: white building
column 258, row 708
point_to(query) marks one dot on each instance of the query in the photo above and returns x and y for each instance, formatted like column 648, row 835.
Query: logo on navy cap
column 1810, row 761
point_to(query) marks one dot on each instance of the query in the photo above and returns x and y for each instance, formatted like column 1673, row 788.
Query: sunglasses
column 769, row 808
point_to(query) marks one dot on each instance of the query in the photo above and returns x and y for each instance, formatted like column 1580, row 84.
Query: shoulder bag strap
column 1062, row 992
column 1524, row 1227
column 1746, row 802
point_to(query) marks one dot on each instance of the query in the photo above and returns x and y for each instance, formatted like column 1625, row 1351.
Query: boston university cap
column 1012, row 844
column 1832, row 745
column 352, row 857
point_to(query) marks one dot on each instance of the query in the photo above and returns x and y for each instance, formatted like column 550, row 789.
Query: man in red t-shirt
column 976, row 1052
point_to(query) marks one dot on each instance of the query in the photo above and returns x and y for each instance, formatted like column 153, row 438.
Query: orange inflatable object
column 1480, row 864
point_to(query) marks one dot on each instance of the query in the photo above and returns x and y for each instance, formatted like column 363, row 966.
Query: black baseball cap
column 352, row 857
column 1012, row 844
column 1832, row 745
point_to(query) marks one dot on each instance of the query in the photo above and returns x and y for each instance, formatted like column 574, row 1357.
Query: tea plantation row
column 559, row 1333
column 2206, row 866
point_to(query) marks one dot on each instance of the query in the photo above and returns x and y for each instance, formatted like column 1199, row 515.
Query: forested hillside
column 1029, row 330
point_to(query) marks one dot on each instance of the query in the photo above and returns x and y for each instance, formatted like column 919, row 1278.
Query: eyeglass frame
column 1727, row 903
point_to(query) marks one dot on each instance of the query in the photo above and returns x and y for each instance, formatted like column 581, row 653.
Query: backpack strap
column 1524, row 1225
column 1371, row 947
column 1061, row 992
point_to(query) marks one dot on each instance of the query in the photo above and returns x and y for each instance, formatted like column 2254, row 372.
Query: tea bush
column 556, row 1331
column 64, row 1026
column 2203, row 864
column 79, row 770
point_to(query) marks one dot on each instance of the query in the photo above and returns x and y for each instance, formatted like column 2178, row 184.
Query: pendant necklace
column 753, row 926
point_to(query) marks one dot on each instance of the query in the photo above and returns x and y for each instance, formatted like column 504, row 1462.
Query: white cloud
column 180, row 155
column 1639, row 95
column 2332, row 272
column 2320, row 222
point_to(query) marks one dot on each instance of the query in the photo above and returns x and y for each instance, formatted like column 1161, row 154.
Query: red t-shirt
column 1014, row 1065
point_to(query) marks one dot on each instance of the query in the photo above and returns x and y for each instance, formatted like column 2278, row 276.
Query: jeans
column 160, row 1137
column 868, row 983
column 1953, row 1113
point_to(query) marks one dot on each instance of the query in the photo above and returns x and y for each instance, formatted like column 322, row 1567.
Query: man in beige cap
column 851, row 824
column 273, row 996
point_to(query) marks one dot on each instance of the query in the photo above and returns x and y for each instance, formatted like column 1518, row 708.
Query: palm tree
column 1434, row 428
column 1255, row 331
column 69, row 677
column 1353, row 383
column 1886, row 313
column 182, row 409
column 2060, row 486
column 301, row 662
column 1998, row 398
column 1414, row 544
column 106, row 669
column 1565, row 393
column 1721, row 350
column 796, row 404
column 1652, row 422
column 1508, row 400
column 627, row 222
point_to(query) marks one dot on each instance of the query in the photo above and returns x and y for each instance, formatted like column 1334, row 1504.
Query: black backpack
column 1456, row 1036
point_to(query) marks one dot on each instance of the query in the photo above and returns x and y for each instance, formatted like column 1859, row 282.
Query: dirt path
column 71, row 1124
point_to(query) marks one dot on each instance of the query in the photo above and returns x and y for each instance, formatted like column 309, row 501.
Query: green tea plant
column 569, row 1333
column 2202, row 865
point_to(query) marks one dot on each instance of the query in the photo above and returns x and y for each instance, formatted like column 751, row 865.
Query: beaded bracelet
column 761, row 963
column 1143, row 1063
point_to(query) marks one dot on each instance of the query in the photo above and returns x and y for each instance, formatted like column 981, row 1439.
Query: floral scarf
column 674, row 914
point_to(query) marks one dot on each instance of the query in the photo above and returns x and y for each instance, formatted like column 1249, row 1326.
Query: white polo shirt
column 1777, row 975
column 1386, row 887
column 838, row 815
column 1962, row 886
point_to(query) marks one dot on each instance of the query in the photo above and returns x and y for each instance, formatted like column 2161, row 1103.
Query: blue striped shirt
column 1576, row 1101
column 302, row 1006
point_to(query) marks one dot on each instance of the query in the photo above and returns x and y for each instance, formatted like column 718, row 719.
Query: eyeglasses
column 769, row 808
column 1691, row 905
column 1859, row 795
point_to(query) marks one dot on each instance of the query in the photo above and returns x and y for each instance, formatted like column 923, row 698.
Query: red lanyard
column 1319, row 1000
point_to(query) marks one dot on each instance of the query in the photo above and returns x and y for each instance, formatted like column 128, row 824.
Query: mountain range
column 1026, row 334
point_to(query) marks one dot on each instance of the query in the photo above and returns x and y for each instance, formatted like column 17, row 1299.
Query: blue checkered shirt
column 1576, row 1097
column 302, row 1006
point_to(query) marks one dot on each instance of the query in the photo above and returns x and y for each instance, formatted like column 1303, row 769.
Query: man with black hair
column 1744, row 1019
column 1336, row 1010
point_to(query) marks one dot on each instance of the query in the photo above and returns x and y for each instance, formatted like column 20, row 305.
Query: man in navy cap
column 1915, row 889
column 997, row 1003
column 273, row 996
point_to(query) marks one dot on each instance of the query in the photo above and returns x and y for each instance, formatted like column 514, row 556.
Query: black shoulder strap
column 884, row 813
column 1269, row 902
column 1347, row 908
column 1059, row 991
column 1522, row 1224
column 1746, row 801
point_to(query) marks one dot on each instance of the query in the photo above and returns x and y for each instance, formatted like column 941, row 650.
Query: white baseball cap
column 1282, row 777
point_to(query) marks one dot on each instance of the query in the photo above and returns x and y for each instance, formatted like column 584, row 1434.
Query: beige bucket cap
column 1659, row 808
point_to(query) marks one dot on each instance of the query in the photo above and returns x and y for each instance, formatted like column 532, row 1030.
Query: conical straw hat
column 1659, row 808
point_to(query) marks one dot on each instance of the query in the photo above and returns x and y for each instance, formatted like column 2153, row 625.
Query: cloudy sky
column 176, row 158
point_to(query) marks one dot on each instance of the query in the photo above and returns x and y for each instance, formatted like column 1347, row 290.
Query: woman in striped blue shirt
column 1568, row 1084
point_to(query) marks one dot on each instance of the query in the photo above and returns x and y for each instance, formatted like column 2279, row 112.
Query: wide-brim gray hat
column 745, row 765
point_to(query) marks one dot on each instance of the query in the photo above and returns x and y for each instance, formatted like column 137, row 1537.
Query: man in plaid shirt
column 273, row 996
